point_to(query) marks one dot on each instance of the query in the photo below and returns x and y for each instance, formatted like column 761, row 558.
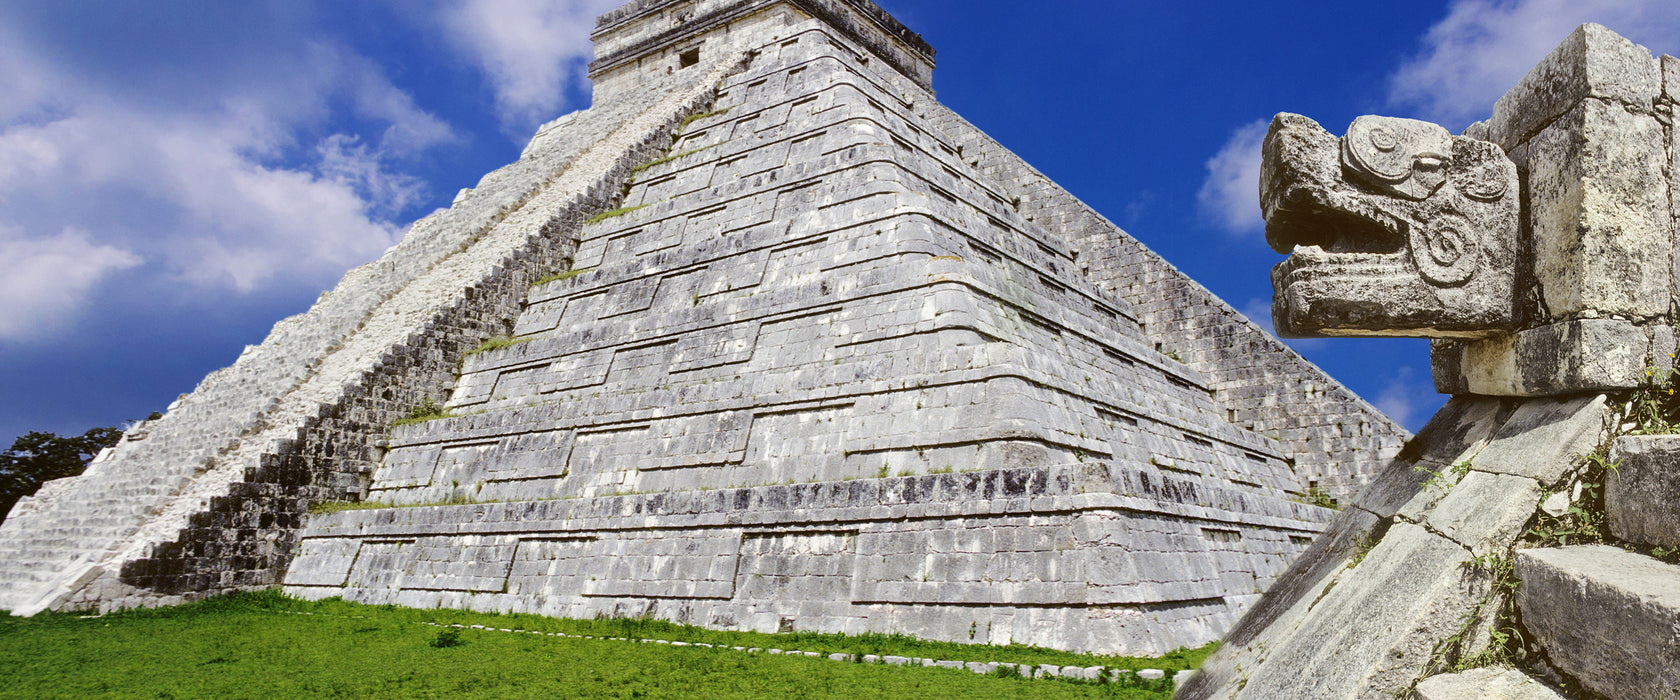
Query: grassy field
column 265, row 645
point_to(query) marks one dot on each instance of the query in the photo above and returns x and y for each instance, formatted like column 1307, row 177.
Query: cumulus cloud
column 530, row 49
column 1483, row 47
column 43, row 279
column 1230, row 195
column 279, row 166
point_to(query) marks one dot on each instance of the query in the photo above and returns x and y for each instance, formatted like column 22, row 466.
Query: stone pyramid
column 776, row 342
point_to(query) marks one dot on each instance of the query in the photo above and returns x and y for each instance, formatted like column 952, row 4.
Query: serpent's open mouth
column 1319, row 230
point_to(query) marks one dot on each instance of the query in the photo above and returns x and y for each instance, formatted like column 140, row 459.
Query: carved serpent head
column 1396, row 229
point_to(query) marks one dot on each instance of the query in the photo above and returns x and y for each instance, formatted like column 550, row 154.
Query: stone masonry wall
column 1336, row 438
column 818, row 374
column 1094, row 557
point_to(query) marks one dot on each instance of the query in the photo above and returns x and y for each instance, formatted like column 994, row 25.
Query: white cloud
column 1230, row 196
column 530, row 49
column 44, row 279
column 251, row 184
column 1483, row 47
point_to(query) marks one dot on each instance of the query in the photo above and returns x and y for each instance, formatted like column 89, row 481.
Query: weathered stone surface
column 815, row 302
column 1486, row 512
column 1590, row 129
column 1592, row 136
column 1368, row 635
column 1607, row 617
column 1544, row 438
column 1486, row 684
column 1566, row 357
column 1337, row 439
column 812, row 298
column 1593, row 62
column 1671, row 77
column 1397, row 228
column 1293, row 596
column 1368, row 629
column 174, row 508
column 1598, row 194
column 1642, row 495
column 1411, row 482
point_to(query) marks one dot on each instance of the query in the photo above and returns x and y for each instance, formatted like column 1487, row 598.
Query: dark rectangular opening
column 688, row 58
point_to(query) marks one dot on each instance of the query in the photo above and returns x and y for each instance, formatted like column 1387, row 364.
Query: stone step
column 1607, row 617
column 1486, row 684
column 1642, row 495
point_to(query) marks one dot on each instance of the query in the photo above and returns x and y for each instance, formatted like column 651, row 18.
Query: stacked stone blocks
column 812, row 288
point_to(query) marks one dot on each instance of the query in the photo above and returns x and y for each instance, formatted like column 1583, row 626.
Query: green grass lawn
column 265, row 645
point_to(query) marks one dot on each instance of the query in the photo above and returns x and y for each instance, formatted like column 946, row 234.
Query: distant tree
column 37, row 458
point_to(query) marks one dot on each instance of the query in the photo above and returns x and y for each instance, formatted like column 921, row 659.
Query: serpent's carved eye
column 1383, row 140
column 1445, row 250
column 1403, row 156
column 1483, row 173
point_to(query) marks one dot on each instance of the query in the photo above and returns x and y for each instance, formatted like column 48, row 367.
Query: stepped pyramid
column 785, row 344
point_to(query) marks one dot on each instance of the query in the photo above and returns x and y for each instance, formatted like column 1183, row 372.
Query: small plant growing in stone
column 610, row 213
column 427, row 410
column 1584, row 522
column 1362, row 545
column 561, row 276
column 1655, row 408
column 1003, row 671
column 1442, row 481
column 1320, row 497
column 497, row 342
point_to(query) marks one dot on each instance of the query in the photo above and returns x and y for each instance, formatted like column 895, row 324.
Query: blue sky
column 176, row 176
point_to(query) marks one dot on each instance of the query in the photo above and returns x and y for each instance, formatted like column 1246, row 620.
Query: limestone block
column 1544, row 438
column 1590, row 354
column 1486, row 684
column 1592, row 62
column 1373, row 630
column 1606, row 617
column 1642, row 495
column 1397, row 228
column 1599, row 213
column 1486, row 512
column 1671, row 77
